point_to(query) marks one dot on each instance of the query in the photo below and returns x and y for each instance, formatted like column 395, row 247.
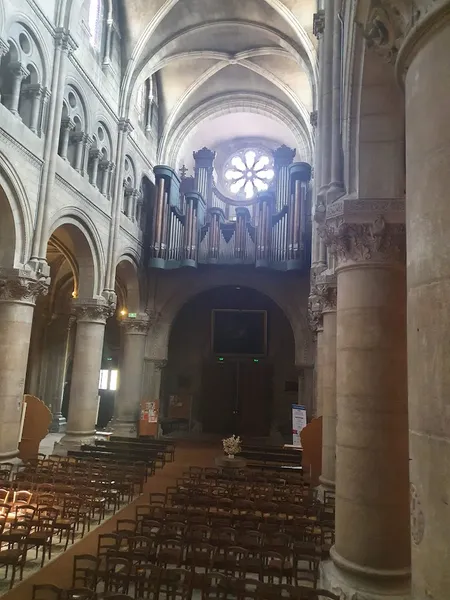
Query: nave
column 193, row 533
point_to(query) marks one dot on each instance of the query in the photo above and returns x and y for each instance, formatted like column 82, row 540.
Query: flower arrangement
column 232, row 445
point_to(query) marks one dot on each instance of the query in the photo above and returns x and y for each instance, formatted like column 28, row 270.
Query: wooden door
column 255, row 398
column 218, row 397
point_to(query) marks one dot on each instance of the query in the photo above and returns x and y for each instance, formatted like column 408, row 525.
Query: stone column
column 18, row 74
column 371, row 555
column 83, row 404
column 151, row 383
column 128, row 399
column 79, row 139
column 34, row 92
column 316, row 326
column 18, row 293
column 58, row 343
column 67, row 125
column 104, row 167
column 94, row 156
column 424, row 59
column 4, row 49
column 87, row 143
column 327, row 292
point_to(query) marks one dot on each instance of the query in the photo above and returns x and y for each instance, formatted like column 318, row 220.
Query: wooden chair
column 86, row 571
column 15, row 557
column 146, row 579
column 46, row 592
column 215, row 586
column 118, row 574
column 79, row 594
column 42, row 536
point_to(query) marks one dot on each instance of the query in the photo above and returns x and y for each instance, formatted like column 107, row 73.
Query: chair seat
column 10, row 555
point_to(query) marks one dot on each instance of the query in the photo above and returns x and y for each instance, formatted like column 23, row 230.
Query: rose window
column 248, row 173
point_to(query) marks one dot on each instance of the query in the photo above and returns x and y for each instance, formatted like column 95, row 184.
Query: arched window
column 249, row 172
column 95, row 23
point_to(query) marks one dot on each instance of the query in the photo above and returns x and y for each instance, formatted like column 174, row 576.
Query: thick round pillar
column 371, row 554
column 327, row 478
column 18, row 292
column 127, row 405
column 83, row 400
column 319, row 373
column 425, row 58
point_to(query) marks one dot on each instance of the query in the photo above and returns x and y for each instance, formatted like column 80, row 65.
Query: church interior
column 224, row 296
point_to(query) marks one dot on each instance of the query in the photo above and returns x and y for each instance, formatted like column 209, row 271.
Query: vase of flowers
column 232, row 446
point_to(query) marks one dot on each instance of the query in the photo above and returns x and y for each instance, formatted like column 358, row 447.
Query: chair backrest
column 46, row 592
column 85, row 571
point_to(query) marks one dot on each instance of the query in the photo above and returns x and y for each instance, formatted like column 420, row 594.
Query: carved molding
column 315, row 313
column 377, row 241
column 160, row 364
column 92, row 311
column 319, row 23
column 22, row 286
column 136, row 326
column 153, row 316
column 327, row 292
column 313, row 119
column 357, row 207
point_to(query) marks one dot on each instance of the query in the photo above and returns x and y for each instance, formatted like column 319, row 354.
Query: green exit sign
column 132, row 315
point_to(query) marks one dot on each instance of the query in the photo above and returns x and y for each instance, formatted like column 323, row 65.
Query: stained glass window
column 249, row 172
column 96, row 13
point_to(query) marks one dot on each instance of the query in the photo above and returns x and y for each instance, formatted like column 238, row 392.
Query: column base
column 326, row 485
column 6, row 456
column 349, row 586
column 73, row 441
column 58, row 424
column 124, row 428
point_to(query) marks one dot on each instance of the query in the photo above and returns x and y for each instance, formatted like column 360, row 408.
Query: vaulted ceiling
column 227, row 69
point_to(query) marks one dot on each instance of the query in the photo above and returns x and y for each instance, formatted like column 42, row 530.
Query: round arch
column 16, row 224
column 82, row 239
column 233, row 103
column 286, row 298
column 127, row 277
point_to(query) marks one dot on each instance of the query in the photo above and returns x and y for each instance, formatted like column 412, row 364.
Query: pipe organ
column 195, row 223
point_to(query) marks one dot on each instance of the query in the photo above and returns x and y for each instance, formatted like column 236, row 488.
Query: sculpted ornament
column 92, row 312
column 328, row 296
column 22, row 287
column 355, row 242
column 138, row 326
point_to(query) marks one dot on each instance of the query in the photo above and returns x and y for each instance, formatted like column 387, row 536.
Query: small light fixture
column 123, row 312
column 74, row 294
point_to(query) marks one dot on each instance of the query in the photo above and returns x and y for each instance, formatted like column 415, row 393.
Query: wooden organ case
column 191, row 223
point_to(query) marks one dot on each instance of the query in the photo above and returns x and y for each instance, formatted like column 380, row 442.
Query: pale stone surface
column 327, row 478
column 15, row 332
column 372, row 503
column 83, row 403
column 319, row 373
column 127, row 404
column 427, row 89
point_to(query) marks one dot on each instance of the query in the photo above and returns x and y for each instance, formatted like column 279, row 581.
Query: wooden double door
column 237, row 397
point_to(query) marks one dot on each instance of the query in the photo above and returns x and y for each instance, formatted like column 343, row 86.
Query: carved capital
column 4, row 47
column 92, row 310
column 125, row 126
column 319, row 23
column 32, row 90
column 313, row 118
column 22, row 286
column 327, row 292
column 18, row 70
column 153, row 316
column 67, row 124
column 386, row 27
column 315, row 314
column 139, row 326
column 160, row 364
column 64, row 39
column 377, row 241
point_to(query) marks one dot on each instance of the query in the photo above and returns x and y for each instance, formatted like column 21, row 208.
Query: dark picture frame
column 239, row 332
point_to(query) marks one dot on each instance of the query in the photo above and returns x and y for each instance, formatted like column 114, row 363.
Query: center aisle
column 59, row 571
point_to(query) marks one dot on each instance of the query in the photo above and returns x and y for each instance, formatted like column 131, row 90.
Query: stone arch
column 16, row 223
column 22, row 20
column 373, row 118
column 128, row 277
column 185, row 290
column 171, row 144
column 80, row 236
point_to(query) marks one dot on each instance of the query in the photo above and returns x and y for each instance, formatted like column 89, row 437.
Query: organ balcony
column 195, row 223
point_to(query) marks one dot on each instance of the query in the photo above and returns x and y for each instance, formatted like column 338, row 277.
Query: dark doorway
column 236, row 397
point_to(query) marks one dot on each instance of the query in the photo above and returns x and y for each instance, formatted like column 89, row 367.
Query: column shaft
column 372, row 490
column 328, row 476
column 428, row 241
column 83, row 403
column 128, row 400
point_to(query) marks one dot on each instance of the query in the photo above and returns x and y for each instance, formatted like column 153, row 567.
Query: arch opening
column 231, row 364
